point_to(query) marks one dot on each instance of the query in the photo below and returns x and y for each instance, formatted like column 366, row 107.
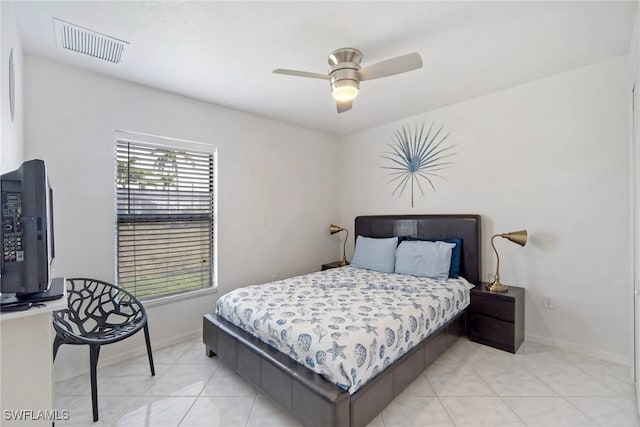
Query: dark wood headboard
column 431, row 227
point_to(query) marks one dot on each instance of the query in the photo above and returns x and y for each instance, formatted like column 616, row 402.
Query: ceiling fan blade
column 301, row 73
column 397, row 65
column 344, row 106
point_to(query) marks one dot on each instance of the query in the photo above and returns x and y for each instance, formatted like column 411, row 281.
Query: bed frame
column 306, row 395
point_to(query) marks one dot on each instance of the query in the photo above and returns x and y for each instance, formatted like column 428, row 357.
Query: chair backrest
column 99, row 309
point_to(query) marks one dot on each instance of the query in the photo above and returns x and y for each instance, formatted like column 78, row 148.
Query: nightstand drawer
column 497, row 319
column 493, row 332
column 493, row 307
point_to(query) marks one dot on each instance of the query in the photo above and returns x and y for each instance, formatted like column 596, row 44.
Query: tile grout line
column 175, row 362
column 562, row 396
column 143, row 393
column 437, row 396
column 578, row 409
column 255, row 398
column 496, row 394
column 619, row 392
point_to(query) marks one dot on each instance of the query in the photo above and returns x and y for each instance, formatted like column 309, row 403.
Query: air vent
column 88, row 42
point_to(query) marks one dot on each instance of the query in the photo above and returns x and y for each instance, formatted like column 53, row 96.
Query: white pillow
column 375, row 254
column 424, row 259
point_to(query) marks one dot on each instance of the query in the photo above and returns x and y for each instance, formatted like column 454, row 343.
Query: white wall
column 11, row 132
column 551, row 156
column 275, row 186
column 634, row 53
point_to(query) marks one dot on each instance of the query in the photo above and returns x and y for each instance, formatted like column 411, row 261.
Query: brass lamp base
column 496, row 286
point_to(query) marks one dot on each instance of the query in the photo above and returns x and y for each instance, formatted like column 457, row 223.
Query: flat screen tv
column 27, row 231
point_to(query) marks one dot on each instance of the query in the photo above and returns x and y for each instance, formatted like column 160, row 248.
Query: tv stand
column 56, row 291
column 26, row 377
column 15, row 306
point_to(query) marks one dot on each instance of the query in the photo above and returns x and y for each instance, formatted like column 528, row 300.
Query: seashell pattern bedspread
column 346, row 324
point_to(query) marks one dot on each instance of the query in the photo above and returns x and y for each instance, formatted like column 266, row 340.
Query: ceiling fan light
column 345, row 92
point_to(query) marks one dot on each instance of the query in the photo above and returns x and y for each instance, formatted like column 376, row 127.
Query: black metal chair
column 98, row 313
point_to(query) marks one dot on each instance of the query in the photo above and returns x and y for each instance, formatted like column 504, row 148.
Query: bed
column 311, row 397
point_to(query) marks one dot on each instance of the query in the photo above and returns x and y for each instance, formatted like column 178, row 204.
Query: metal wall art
column 415, row 157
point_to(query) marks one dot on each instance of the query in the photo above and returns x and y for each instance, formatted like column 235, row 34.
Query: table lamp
column 333, row 229
column 519, row 237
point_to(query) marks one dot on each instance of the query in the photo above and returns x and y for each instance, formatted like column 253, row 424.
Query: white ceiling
column 224, row 52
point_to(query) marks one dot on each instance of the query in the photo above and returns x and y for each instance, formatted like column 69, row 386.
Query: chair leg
column 57, row 342
column 148, row 340
column 94, row 352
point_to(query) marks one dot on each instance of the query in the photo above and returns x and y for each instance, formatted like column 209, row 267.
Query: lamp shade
column 333, row 229
column 519, row 237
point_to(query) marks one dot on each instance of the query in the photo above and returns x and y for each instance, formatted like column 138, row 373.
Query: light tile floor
column 469, row 385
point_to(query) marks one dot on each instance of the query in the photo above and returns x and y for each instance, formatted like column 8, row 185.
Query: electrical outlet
column 548, row 302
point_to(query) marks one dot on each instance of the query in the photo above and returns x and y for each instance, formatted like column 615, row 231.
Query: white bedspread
column 346, row 324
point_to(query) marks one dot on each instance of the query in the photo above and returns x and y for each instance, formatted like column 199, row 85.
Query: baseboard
column 579, row 348
column 131, row 352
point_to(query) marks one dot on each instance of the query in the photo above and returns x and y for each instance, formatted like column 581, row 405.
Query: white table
column 26, row 363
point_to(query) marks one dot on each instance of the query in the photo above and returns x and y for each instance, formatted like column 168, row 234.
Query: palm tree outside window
column 165, row 219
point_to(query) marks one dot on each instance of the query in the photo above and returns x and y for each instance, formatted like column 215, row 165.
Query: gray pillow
column 375, row 254
column 424, row 259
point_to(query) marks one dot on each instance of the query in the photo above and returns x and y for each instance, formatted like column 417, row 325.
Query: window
column 165, row 219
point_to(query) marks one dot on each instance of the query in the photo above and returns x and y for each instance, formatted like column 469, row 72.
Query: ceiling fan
column 346, row 74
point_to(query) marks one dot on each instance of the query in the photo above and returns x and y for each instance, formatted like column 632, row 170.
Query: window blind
column 165, row 219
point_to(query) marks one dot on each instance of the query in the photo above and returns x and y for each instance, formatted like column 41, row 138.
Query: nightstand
column 497, row 319
column 330, row 265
